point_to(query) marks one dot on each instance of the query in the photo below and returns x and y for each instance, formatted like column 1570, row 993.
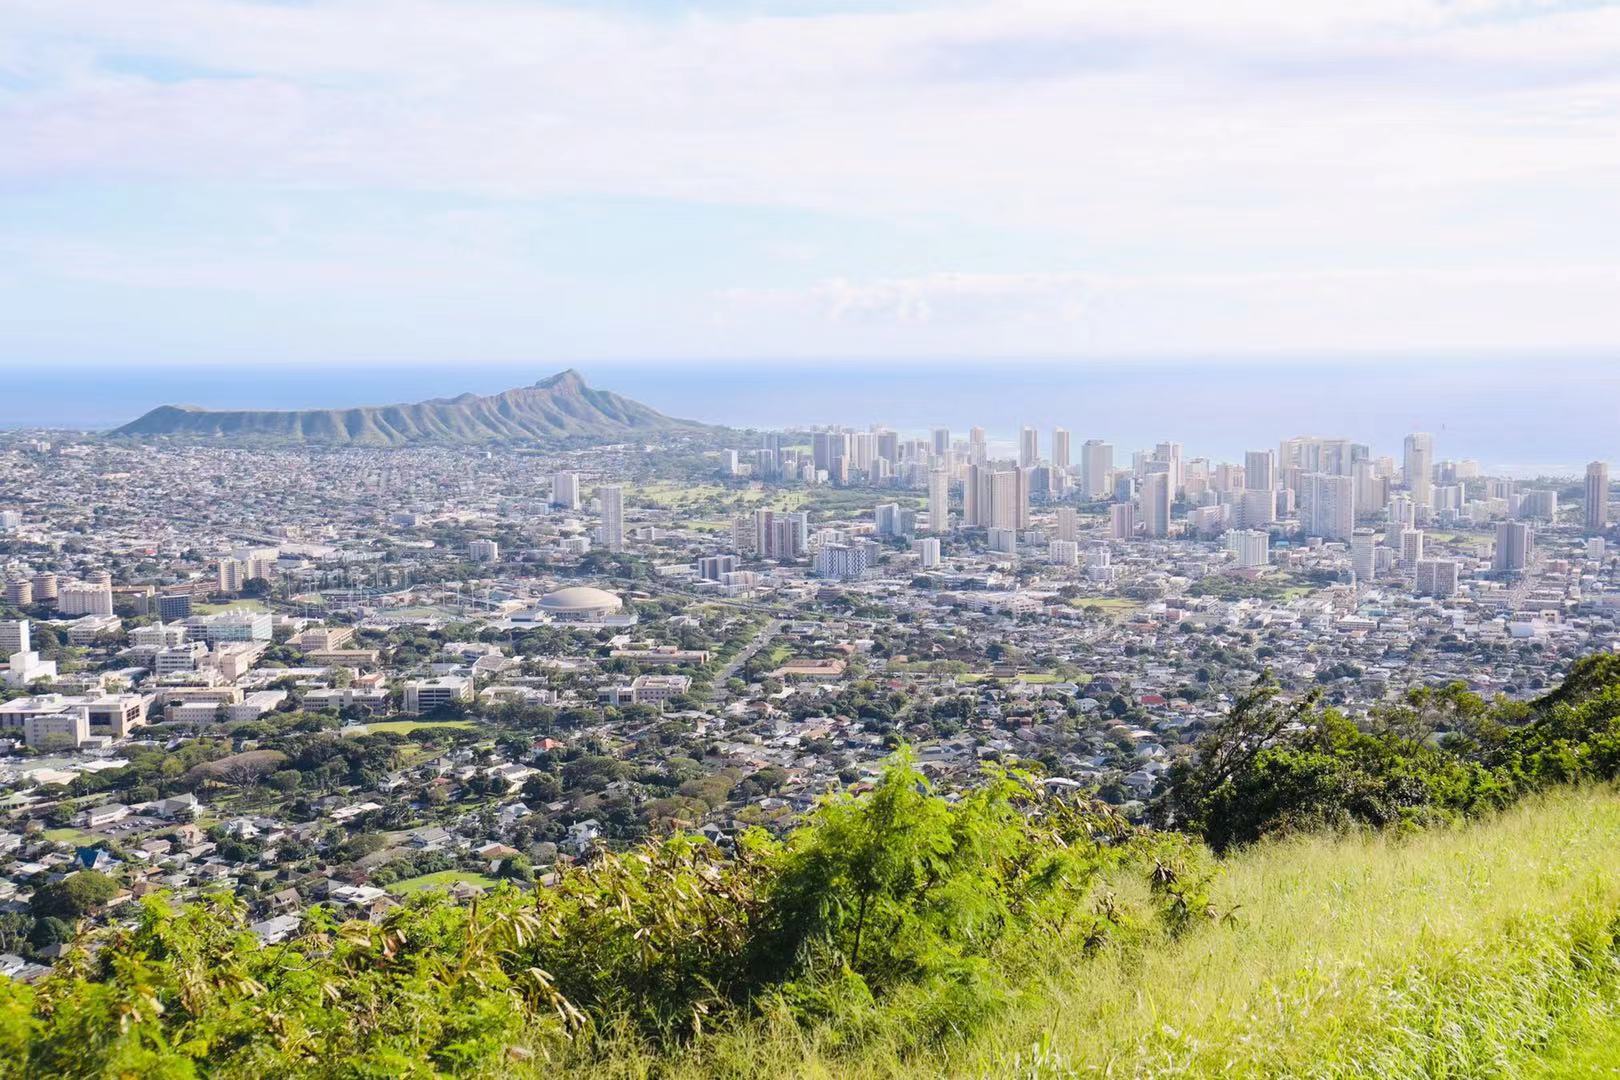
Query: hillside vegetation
column 559, row 407
column 1433, row 893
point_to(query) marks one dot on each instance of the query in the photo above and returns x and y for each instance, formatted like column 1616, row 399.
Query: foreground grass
column 405, row 727
column 442, row 879
column 1466, row 952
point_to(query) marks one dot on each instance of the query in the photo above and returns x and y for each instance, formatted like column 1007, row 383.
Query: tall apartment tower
column 1122, row 521
column 1327, row 506
column 939, row 501
column 1597, row 497
column 1364, row 555
column 1060, row 448
column 1411, row 547
column 1251, row 548
column 612, row 498
column 1156, row 500
column 1418, row 466
column 942, row 440
column 1096, row 462
column 565, row 490
column 1513, row 544
column 1029, row 447
column 1067, row 524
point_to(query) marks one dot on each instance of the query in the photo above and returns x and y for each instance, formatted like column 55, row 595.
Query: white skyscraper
column 1122, row 521
column 942, row 441
column 565, row 490
column 1096, row 462
column 1597, row 497
column 995, row 498
column 1411, row 547
column 1068, row 525
column 939, row 501
column 1063, row 553
column 1251, row 547
column 1327, row 506
column 1156, row 499
column 612, row 499
column 14, row 638
column 1435, row 577
column 1060, row 448
column 1513, row 545
column 927, row 551
column 1418, row 466
column 1260, row 470
column 1364, row 555
column 1029, row 447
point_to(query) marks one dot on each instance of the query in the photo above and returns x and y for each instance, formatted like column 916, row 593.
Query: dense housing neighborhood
column 331, row 677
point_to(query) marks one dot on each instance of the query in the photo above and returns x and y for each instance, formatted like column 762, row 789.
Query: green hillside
column 559, row 407
column 1433, row 893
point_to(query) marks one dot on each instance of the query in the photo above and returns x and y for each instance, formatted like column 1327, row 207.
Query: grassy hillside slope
column 1453, row 952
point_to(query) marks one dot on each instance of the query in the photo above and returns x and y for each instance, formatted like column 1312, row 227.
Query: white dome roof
column 580, row 598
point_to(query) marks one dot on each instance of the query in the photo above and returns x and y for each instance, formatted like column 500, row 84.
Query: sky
column 500, row 182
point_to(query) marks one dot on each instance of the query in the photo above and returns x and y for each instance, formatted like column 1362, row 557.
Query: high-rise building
column 996, row 498
column 1063, row 553
column 1002, row 541
column 1417, row 467
column 888, row 446
column 85, row 598
column 942, row 441
column 1327, row 506
column 1169, row 454
column 892, row 519
column 1514, row 542
column 1096, row 462
column 14, row 638
column 484, row 551
column 1251, row 548
column 1122, row 521
column 1372, row 490
column 1597, row 497
column 846, row 562
column 1259, row 470
column 611, row 497
column 44, row 584
column 1255, row 507
column 1156, row 501
column 1029, row 447
column 1060, row 448
column 1068, row 525
column 715, row 567
column 1411, row 547
column 781, row 534
column 232, row 575
column 1364, row 555
column 1435, row 577
column 565, row 490
column 1538, row 504
column 927, row 552
column 939, row 501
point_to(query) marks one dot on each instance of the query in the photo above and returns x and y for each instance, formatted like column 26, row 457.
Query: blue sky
column 423, row 181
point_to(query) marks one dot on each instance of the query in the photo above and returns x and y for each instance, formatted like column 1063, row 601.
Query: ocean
column 1520, row 416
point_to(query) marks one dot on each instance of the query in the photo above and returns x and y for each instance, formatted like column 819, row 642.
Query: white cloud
column 1375, row 310
column 1236, row 139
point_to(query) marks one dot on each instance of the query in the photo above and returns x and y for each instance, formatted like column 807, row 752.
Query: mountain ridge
column 560, row 406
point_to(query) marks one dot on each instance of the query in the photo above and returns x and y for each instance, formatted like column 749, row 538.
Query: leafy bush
column 1271, row 766
column 900, row 895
